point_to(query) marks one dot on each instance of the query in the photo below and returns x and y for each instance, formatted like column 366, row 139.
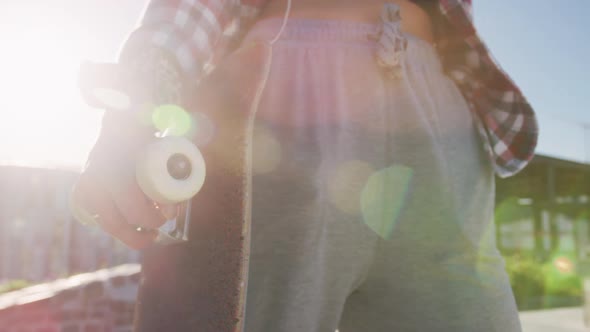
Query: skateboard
column 195, row 277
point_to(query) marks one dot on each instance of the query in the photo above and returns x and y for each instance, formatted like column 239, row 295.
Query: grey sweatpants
column 372, row 200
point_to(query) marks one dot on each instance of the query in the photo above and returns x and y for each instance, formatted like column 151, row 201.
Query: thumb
column 169, row 211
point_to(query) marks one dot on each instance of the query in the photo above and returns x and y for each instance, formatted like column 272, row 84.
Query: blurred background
column 542, row 216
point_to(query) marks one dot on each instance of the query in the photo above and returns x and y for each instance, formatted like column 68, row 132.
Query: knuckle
column 143, row 217
column 139, row 242
column 135, row 245
column 112, row 227
column 137, row 209
column 169, row 211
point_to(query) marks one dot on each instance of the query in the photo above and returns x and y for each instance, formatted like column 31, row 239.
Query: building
column 545, row 208
column 39, row 240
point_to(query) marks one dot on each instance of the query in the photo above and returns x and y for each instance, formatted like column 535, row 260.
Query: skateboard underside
column 200, row 285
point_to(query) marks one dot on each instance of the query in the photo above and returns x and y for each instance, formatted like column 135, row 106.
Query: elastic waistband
column 339, row 33
column 322, row 30
column 313, row 30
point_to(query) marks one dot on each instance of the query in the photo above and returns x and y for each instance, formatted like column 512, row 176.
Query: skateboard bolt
column 179, row 166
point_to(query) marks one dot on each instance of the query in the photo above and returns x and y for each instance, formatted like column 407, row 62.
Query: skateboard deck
column 200, row 284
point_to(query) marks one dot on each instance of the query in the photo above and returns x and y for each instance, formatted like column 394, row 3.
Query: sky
column 542, row 44
column 545, row 46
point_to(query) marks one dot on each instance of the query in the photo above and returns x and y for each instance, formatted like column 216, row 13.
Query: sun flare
column 43, row 121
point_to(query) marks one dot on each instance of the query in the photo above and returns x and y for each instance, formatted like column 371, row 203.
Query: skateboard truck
column 171, row 170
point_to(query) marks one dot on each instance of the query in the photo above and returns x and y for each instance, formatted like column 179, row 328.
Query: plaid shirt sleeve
column 505, row 120
column 190, row 32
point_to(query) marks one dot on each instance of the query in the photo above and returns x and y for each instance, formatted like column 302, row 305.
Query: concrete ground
column 554, row 320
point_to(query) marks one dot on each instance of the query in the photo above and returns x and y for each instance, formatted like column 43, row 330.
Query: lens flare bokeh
column 171, row 119
column 346, row 184
column 267, row 151
column 383, row 197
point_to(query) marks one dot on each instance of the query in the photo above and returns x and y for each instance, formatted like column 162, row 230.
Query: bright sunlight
column 43, row 121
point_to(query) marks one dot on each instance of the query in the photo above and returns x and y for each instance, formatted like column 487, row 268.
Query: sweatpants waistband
column 313, row 30
column 339, row 34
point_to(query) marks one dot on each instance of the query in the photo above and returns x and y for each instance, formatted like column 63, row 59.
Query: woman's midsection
column 329, row 119
column 415, row 21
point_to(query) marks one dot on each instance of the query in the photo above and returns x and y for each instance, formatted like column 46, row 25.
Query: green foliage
column 526, row 278
column 13, row 285
column 549, row 284
column 562, row 284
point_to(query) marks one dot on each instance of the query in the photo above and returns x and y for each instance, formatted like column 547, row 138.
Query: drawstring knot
column 391, row 43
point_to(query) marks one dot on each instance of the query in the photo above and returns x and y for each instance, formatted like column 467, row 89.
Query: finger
column 92, row 197
column 169, row 211
column 114, row 223
column 81, row 205
column 136, row 208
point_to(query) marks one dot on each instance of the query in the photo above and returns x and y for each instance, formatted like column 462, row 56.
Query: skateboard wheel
column 104, row 85
column 171, row 170
column 109, row 98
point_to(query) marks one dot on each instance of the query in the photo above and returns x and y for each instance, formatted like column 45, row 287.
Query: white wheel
column 171, row 170
column 105, row 85
column 111, row 98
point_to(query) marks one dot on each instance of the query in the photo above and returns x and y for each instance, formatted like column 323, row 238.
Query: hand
column 108, row 190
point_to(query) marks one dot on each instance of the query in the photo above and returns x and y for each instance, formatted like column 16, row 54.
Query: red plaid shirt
column 198, row 32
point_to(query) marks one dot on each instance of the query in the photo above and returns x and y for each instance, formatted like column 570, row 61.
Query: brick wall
column 101, row 301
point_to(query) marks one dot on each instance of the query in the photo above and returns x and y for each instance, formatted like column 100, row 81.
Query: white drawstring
column 262, row 86
column 250, row 133
column 285, row 19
